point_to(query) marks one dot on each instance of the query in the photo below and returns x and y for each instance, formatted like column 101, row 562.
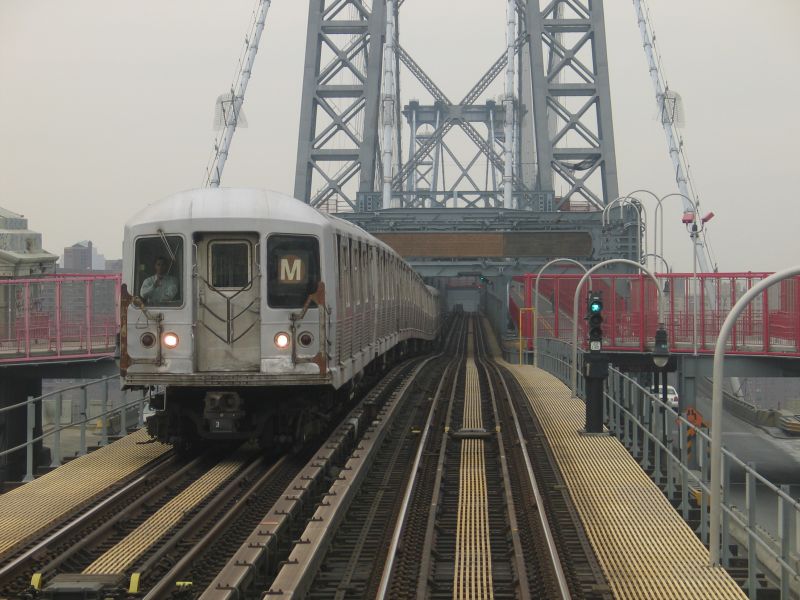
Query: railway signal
column 595, row 318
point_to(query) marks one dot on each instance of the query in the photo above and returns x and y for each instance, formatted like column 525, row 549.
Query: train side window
column 293, row 270
column 230, row 264
column 158, row 274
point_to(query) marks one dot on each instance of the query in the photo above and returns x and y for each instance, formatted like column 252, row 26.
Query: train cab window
column 293, row 270
column 230, row 264
column 158, row 274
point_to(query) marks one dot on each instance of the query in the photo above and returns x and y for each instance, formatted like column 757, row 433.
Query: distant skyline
column 107, row 107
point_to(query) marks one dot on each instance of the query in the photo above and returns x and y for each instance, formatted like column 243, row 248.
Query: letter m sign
column 292, row 270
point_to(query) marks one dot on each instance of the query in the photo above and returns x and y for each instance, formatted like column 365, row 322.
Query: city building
column 21, row 252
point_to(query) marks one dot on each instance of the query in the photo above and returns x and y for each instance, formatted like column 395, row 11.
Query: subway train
column 254, row 316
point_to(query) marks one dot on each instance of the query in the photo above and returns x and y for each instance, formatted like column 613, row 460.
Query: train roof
column 227, row 203
column 240, row 203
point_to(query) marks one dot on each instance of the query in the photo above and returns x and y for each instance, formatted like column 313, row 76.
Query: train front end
column 224, row 313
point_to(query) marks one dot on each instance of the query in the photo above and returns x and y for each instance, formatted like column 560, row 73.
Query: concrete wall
column 469, row 299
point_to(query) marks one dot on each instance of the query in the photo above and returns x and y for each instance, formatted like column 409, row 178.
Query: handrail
column 56, row 392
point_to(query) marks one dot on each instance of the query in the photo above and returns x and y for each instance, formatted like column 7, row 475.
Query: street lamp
column 637, row 205
column 536, row 302
column 665, row 264
column 690, row 220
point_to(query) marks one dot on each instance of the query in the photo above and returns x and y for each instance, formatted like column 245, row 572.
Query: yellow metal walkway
column 645, row 548
column 122, row 556
column 472, row 576
column 33, row 507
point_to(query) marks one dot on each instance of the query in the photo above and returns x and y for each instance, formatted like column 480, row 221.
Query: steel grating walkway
column 472, row 577
column 645, row 548
column 123, row 555
column 35, row 506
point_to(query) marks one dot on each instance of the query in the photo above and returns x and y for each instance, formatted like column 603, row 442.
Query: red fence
column 54, row 317
column 693, row 311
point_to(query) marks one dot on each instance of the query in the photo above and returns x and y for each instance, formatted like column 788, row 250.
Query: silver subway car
column 254, row 313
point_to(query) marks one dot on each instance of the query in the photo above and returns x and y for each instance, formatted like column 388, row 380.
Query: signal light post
column 595, row 366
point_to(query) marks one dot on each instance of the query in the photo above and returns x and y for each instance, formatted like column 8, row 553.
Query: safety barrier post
column 702, row 455
column 648, row 423
column 670, row 458
column 684, row 449
column 625, row 399
column 56, row 450
column 726, row 495
column 637, row 451
column 83, row 415
column 750, row 503
column 123, row 418
column 104, row 417
column 140, row 423
column 29, row 426
column 785, row 522
column 657, row 438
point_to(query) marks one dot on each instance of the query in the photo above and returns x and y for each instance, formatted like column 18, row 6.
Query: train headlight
column 170, row 340
column 282, row 340
column 147, row 339
column 305, row 339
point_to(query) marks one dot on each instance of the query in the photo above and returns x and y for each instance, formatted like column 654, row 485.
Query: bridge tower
column 564, row 152
column 528, row 173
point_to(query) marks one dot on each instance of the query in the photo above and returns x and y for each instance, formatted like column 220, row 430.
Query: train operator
column 161, row 287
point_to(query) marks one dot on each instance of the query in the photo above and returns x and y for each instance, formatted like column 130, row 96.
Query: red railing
column 58, row 317
column 693, row 311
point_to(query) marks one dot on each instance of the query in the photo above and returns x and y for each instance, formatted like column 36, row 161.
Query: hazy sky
column 106, row 106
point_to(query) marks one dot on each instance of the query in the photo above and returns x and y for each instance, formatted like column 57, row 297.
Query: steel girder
column 574, row 135
column 337, row 150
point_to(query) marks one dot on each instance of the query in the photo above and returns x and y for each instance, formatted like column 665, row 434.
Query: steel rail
column 412, row 480
column 161, row 588
column 237, row 573
column 551, row 545
column 9, row 568
column 430, row 526
column 294, row 578
column 519, row 557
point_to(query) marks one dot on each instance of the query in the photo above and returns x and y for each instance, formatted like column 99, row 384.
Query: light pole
column 586, row 276
column 637, row 205
column 656, row 236
column 536, row 302
column 716, row 403
column 694, row 233
column 667, row 268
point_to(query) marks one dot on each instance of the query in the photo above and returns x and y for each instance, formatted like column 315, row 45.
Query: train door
column 228, row 303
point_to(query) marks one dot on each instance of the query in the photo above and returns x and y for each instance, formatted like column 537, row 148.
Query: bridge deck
column 37, row 505
column 644, row 547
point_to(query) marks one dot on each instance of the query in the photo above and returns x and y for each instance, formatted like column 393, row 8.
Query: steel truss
column 566, row 105
column 574, row 135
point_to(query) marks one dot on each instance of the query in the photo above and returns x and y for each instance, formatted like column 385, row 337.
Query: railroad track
column 172, row 528
column 440, row 500
column 20, row 562
column 458, row 513
column 438, row 484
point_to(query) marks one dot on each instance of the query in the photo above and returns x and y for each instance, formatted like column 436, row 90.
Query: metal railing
column 675, row 454
column 693, row 311
column 58, row 317
column 101, row 418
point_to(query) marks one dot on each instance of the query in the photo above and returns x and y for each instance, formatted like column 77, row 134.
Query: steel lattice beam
column 337, row 150
column 574, row 134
